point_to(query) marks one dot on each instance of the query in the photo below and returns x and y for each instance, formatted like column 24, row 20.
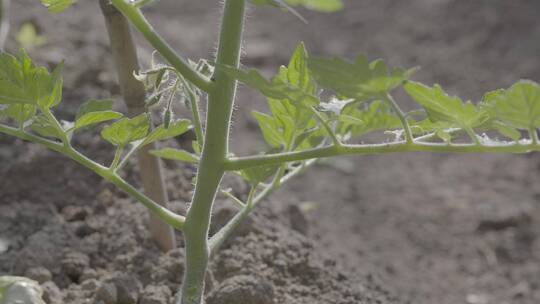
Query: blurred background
column 433, row 228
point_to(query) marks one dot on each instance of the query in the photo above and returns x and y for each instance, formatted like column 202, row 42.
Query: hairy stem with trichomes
column 214, row 153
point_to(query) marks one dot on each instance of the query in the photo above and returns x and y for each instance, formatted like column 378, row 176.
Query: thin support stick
column 139, row 21
column 125, row 58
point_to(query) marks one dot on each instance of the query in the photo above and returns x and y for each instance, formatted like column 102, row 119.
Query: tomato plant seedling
column 319, row 107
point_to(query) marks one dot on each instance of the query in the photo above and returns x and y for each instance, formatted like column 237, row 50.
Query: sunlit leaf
column 358, row 121
column 92, row 118
column 175, row 129
column 57, row 6
column 442, row 107
column 269, row 129
column 518, row 107
column 127, row 130
column 95, row 105
column 22, row 82
column 360, row 80
column 21, row 113
column 42, row 126
column 326, row 6
column 175, row 154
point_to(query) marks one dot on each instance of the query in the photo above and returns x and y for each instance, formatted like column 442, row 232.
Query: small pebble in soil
column 74, row 263
column 74, row 213
column 106, row 294
column 128, row 288
column 245, row 289
column 51, row 293
column 154, row 294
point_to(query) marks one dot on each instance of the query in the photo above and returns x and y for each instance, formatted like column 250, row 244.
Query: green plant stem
column 326, row 126
column 217, row 239
column 127, row 156
column 402, row 117
column 533, row 134
column 57, row 125
column 116, row 160
column 169, row 217
column 194, row 107
column 139, row 21
column 239, row 163
column 472, row 135
column 215, row 150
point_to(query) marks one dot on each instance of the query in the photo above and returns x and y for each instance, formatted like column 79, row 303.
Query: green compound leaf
column 517, row 107
column 94, row 112
column 57, row 6
column 291, row 95
column 127, row 130
column 276, row 88
column 92, row 118
column 360, row 80
column 22, row 82
column 442, row 107
column 175, row 129
column 175, row 154
column 21, row 113
column 376, row 116
column 270, row 129
column 293, row 83
column 94, row 105
column 42, row 126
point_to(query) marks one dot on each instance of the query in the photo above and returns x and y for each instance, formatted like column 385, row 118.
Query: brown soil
column 431, row 228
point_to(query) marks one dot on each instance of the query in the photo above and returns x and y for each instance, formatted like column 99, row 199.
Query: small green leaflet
column 442, row 107
column 360, row 80
column 22, row 82
column 269, row 128
column 94, row 105
column 326, row 6
column 293, row 82
column 175, row 129
column 175, row 154
column 276, row 88
column 517, row 107
column 42, row 126
column 95, row 111
column 21, row 113
column 127, row 130
column 375, row 116
column 96, row 117
column 57, row 6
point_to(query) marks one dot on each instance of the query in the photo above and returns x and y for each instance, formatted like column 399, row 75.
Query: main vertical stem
column 125, row 58
column 215, row 149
